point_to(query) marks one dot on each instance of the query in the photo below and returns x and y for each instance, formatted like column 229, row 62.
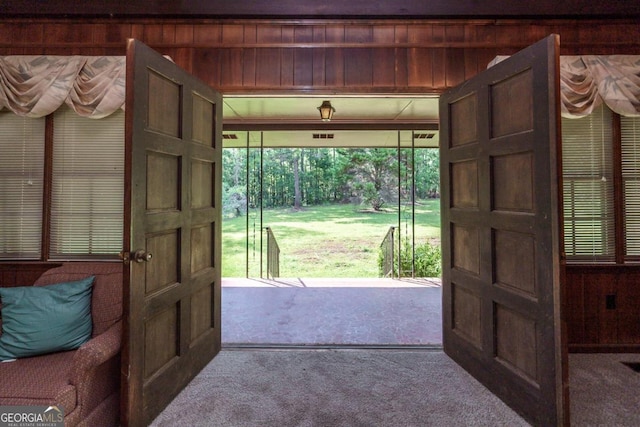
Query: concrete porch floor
column 313, row 311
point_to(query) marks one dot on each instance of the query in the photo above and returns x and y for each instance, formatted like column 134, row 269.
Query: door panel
column 501, row 232
column 173, row 126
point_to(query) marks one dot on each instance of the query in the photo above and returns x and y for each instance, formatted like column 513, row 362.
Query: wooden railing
column 388, row 254
column 273, row 255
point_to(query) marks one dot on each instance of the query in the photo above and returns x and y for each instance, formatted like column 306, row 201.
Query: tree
column 297, row 195
column 427, row 173
column 280, row 177
column 371, row 173
column 234, row 200
column 234, row 161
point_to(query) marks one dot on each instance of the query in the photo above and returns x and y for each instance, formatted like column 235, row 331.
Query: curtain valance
column 588, row 80
column 94, row 86
column 35, row 86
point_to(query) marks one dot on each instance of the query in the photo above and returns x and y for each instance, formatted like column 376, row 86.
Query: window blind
column 21, row 186
column 587, row 169
column 87, row 185
column 630, row 140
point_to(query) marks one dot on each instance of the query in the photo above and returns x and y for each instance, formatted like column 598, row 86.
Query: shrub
column 428, row 260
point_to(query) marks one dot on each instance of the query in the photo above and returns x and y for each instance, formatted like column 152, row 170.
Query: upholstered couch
column 86, row 381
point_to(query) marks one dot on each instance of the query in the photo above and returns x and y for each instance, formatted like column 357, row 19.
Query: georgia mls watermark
column 31, row 416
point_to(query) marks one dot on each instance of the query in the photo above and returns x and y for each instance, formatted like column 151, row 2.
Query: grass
column 321, row 241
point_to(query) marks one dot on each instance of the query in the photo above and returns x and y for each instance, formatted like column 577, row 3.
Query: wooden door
column 501, row 228
column 172, row 232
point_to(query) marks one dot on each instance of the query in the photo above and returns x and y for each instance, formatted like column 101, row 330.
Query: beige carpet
column 395, row 388
column 604, row 391
column 326, row 388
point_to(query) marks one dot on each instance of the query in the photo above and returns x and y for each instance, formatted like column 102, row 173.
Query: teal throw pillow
column 45, row 319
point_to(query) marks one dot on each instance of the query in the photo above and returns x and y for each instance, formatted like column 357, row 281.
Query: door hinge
column 125, row 256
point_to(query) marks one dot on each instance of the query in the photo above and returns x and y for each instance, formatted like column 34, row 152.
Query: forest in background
column 298, row 177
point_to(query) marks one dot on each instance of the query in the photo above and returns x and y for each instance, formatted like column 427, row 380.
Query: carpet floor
column 327, row 388
column 380, row 388
column 604, row 390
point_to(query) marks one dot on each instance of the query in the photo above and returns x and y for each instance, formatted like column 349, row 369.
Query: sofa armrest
column 95, row 352
column 96, row 368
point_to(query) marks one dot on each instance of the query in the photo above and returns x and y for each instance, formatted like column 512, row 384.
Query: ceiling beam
column 321, row 126
column 327, row 9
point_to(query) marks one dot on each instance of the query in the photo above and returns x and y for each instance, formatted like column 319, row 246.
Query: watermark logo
column 31, row 416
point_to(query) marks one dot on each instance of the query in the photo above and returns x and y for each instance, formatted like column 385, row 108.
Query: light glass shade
column 326, row 111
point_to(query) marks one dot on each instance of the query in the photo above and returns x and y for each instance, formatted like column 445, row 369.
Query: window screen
column 21, row 186
column 588, row 187
column 87, row 185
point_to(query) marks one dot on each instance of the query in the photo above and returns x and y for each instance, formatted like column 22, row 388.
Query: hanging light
column 326, row 111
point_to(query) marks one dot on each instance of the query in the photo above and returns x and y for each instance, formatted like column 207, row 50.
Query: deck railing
column 273, row 255
column 388, row 253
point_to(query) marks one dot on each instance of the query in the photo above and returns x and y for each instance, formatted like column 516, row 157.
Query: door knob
column 142, row 256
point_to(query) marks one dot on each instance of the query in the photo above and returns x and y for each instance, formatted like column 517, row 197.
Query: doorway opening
column 326, row 196
column 330, row 212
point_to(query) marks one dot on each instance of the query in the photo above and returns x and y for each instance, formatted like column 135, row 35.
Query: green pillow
column 44, row 319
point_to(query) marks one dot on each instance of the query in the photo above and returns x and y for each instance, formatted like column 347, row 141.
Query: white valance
column 35, row 86
column 588, row 80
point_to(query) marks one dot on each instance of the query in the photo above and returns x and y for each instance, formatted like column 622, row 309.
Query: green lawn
column 321, row 241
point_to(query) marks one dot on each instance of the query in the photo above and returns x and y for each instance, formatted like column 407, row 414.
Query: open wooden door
column 501, row 232
column 172, row 231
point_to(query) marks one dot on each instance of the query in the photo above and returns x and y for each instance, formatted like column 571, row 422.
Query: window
column 86, row 192
column 87, row 189
column 630, row 143
column 601, row 187
column 587, row 169
column 21, row 186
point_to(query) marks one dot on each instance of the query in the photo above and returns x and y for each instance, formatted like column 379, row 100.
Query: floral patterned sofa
column 86, row 381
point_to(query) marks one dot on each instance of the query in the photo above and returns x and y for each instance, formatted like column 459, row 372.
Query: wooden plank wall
column 380, row 56
column 23, row 273
column 358, row 56
column 603, row 309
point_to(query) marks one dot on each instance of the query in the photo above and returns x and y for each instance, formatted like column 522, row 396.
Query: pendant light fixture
column 326, row 111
